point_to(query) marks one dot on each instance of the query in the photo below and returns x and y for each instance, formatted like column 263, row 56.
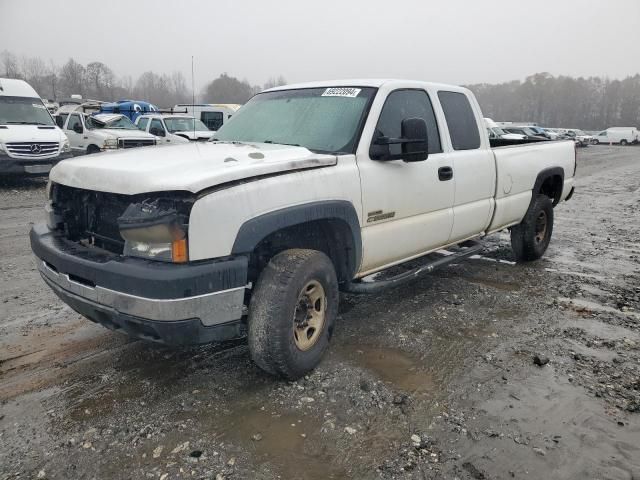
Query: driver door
column 407, row 207
column 76, row 134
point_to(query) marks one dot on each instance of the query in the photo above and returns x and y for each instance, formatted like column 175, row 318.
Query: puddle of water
column 290, row 443
column 393, row 366
column 504, row 286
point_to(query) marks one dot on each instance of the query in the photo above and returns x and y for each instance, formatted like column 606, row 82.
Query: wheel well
column 93, row 148
column 552, row 188
column 330, row 236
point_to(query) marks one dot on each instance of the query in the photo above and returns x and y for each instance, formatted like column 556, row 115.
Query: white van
column 213, row 115
column 30, row 141
column 621, row 135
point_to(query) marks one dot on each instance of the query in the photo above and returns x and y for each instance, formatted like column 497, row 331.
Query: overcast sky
column 453, row 41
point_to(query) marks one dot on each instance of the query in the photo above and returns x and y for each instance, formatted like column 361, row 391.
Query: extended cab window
column 142, row 124
column 213, row 120
column 463, row 127
column 403, row 104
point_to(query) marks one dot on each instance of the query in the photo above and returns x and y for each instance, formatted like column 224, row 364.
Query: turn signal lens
column 179, row 251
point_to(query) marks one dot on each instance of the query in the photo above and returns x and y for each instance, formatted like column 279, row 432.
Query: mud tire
column 527, row 242
column 273, row 306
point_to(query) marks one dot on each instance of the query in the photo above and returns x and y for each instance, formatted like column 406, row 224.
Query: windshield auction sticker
column 341, row 92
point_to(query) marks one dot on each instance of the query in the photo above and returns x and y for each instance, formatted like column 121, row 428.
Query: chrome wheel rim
column 309, row 315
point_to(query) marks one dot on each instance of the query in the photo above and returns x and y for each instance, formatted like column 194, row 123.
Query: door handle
column 445, row 173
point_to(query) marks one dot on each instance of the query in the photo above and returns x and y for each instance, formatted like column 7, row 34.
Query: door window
column 73, row 121
column 213, row 120
column 157, row 127
column 463, row 127
column 142, row 124
column 402, row 104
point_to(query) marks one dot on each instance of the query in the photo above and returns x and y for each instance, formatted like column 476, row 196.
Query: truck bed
column 517, row 167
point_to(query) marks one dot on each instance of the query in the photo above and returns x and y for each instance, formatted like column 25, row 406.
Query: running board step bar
column 467, row 249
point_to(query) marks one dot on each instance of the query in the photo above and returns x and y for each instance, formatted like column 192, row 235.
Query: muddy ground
column 432, row 380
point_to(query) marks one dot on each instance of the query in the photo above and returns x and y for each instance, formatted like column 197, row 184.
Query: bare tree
column 72, row 78
column 274, row 82
column 10, row 64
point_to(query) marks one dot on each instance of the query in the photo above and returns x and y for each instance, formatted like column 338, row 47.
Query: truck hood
column 30, row 133
column 189, row 167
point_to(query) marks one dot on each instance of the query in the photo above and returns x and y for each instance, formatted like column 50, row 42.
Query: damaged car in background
column 255, row 233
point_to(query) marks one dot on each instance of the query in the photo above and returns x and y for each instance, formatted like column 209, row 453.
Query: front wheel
column 530, row 238
column 292, row 312
column 623, row 142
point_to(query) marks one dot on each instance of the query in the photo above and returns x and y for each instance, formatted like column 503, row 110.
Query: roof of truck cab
column 367, row 82
column 17, row 88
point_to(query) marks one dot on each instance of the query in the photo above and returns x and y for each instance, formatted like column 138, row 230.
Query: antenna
column 193, row 99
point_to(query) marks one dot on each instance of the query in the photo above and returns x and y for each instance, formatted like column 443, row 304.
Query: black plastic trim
column 11, row 165
column 256, row 229
column 542, row 176
column 134, row 276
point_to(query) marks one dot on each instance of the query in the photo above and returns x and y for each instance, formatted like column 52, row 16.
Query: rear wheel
column 292, row 312
column 623, row 142
column 530, row 239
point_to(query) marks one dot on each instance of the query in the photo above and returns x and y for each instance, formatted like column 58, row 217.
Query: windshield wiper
column 280, row 143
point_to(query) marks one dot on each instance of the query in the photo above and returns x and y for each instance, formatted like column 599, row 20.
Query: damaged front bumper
column 184, row 304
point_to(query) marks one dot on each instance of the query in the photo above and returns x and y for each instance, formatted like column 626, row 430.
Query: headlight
column 111, row 143
column 155, row 231
column 1, row 148
column 66, row 147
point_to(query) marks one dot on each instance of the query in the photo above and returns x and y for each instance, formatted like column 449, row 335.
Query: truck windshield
column 184, row 125
column 23, row 111
column 122, row 123
column 326, row 120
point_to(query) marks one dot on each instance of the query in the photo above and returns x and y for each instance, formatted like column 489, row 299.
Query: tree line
column 98, row 81
column 555, row 101
column 592, row 103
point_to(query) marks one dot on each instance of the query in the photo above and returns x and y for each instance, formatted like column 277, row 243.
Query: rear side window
column 142, row 124
column 402, row 104
column 213, row 120
column 461, row 121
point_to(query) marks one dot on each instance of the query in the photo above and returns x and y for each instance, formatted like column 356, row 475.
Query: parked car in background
column 174, row 128
column 104, row 131
column 583, row 138
column 131, row 108
column 620, row 135
column 495, row 131
column 67, row 107
column 213, row 115
column 30, row 141
column 527, row 132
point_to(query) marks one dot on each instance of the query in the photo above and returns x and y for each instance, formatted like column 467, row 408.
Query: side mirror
column 413, row 142
column 158, row 132
column 78, row 128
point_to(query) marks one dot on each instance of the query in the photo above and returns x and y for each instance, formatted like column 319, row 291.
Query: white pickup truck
column 102, row 132
column 306, row 191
